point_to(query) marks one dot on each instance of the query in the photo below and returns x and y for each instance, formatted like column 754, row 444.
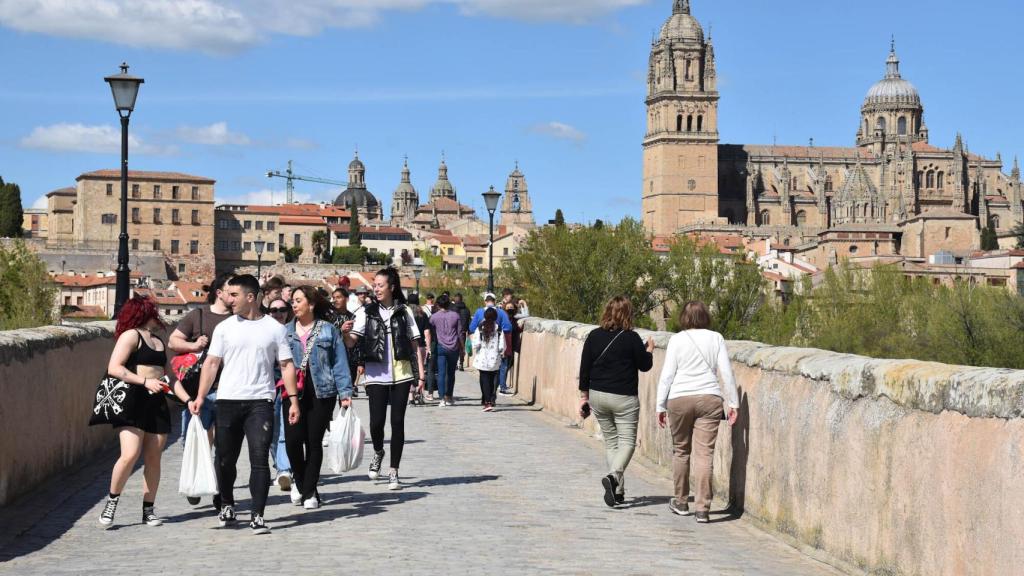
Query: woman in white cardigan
column 695, row 381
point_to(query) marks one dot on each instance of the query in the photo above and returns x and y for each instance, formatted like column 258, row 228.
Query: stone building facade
column 516, row 206
column 169, row 212
column 358, row 196
column 892, row 176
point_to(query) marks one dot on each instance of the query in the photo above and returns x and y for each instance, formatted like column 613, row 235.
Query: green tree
column 27, row 295
column 349, row 255
column 570, row 274
column 989, row 239
column 559, row 218
column 598, row 224
column 291, row 255
column 319, row 242
column 11, row 213
column 355, row 238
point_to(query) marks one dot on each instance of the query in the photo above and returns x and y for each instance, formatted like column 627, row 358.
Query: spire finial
column 892, row 44
column 892, row 65
column 681, row 7
column 357, row 151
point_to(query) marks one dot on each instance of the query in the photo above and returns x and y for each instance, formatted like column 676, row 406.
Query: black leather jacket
column 372, row 345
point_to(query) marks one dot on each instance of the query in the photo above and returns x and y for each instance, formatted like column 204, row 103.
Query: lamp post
column 259, row 244
column 125, row 89
column 417, row 272
column 491, row 197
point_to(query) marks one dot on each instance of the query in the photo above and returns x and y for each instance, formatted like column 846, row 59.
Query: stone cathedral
column 892, row 180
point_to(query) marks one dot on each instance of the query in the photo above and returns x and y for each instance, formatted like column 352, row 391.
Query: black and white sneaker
column 258, row 525
column 393, row 483
column 375, row 464
column 227, row 516
column 149, row 517
column 107, row 516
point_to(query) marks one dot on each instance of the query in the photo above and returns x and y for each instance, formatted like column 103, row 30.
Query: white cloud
column 40, row 203
column 216, row 134
column 225, row 26
column 560, row 131
column 300, row 144
column 264, row 197
column 102, row 139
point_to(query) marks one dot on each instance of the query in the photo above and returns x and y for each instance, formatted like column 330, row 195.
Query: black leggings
column 251, row 420
column 303, row 440
column 381, row 396
column 488, row 387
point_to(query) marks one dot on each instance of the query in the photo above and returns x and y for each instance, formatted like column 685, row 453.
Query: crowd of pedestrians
column 278, row 360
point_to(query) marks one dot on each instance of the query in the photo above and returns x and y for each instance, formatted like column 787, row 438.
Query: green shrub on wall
column 27, row 295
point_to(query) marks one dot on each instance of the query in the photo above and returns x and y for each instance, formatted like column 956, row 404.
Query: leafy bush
column 27, row 295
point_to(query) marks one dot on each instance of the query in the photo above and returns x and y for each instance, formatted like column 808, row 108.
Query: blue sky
column 236, row 87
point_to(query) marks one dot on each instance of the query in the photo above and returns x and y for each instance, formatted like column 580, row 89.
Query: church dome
column 682, row 26
column 356, row 164
column 893, row 89
column 360, row 196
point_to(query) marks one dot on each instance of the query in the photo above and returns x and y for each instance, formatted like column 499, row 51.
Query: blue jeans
column 447, row 361
column 277, row 444
column 207, row 415
column 503, row 374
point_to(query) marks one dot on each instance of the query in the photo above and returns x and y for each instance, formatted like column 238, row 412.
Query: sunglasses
column 278, row 310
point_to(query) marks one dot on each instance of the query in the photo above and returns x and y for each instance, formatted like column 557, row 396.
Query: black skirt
column 149, row 414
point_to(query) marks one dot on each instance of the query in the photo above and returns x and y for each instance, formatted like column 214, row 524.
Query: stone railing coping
column 912, row 384
column 20, row 345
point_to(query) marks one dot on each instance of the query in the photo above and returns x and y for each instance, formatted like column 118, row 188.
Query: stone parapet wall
column 877, row 466
column 48, row 377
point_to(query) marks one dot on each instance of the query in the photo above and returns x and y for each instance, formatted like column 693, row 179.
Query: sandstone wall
column 883, row 466
column 48, row 378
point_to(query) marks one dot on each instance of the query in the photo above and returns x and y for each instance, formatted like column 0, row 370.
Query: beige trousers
column 694, row 423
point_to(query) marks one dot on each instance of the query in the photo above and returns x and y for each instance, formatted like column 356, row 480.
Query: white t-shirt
column 249, row 350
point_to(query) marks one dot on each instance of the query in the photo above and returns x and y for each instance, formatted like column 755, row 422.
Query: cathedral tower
column 892, row 110
column 680, row 183
column 405, row 200
column 516, row 207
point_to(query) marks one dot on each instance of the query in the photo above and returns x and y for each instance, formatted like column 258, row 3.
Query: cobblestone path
column 513, row 492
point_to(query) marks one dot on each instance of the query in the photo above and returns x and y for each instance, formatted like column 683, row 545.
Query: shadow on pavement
column 644, row 501
column 452, row 481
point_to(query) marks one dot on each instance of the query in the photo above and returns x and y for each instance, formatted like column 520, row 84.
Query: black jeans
column 251, row 420
column 489, row 387
column 303, row 440
column 396, row 396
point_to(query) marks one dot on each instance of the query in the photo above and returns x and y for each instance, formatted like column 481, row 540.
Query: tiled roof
column 188, row 290
column 68, row 191
column 829, row 152
column 84, row 281
column 142, row 175
column 302, row 220
column 162, row 297
column 326, row 210
column 86, row 312
column 444, row 205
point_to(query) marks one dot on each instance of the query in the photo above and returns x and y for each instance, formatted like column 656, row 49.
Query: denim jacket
column 328, row 363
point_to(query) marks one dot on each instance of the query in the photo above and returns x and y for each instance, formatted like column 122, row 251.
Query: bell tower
column 680, row 184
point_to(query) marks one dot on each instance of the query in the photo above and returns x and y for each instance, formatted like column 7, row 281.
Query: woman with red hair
column 140, row 359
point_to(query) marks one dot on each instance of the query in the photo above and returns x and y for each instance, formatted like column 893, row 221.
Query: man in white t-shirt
column 248, row 345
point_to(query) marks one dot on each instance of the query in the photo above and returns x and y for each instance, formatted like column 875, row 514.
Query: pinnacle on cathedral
column 681, row 7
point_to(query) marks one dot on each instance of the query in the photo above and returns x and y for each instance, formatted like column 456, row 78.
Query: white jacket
column 696, row 363
column 487, row 353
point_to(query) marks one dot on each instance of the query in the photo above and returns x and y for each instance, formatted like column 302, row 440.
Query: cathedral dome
column 682, row 26
column 360, row 196
column 356, row 164
column 893, row 89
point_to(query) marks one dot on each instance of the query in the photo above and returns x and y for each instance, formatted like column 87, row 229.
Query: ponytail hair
column 394, row 283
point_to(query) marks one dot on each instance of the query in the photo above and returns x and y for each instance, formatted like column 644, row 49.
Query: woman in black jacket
column 386, row 341
column 611, row 357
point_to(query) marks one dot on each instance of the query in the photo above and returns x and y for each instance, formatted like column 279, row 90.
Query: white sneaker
column 311, row 504
column 442, row 404
column 296, row 495
column 393, row 483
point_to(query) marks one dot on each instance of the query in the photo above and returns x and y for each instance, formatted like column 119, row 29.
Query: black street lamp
column 491, row 197
column 259, row 245
column 125, row 89
column 417, row 272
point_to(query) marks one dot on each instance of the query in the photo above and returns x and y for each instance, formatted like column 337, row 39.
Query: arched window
column 689, row 123
column 901, row 126
column 700, row 123
column 941, row 180
column 679, row 123
column 930, row 181
column 801, row 218
column 796, row 183
column 828, row 183
column 688, row 65
column 881, row 123
column 765, row 218
column 995, row 221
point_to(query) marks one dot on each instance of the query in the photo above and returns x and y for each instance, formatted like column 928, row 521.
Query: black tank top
column 146, row 356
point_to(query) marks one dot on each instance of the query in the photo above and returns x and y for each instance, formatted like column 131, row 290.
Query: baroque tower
column 443, row 188
column 516, row 207
column 680, row 183
column 405, row 200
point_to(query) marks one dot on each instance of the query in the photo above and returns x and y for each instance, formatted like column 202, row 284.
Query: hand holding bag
column 198, row 477
column 345, row 446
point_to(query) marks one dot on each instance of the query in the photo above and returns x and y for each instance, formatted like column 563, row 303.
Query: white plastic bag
column 198, row 477
column 345, row 447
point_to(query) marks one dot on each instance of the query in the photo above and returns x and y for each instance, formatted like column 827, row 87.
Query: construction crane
column 291, row 177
